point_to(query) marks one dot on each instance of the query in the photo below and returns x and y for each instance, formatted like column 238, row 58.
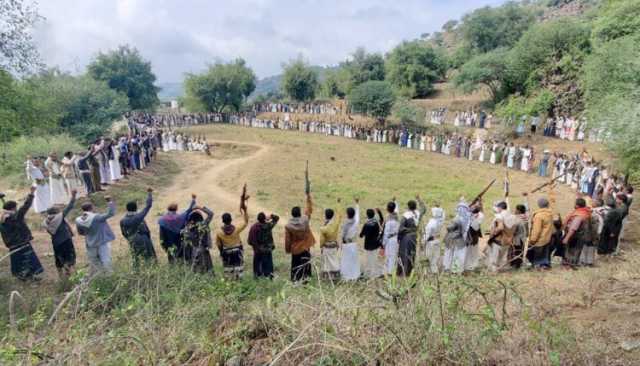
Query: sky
column 182, row 36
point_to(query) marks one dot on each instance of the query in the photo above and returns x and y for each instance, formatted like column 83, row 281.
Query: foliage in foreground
column 170, row 315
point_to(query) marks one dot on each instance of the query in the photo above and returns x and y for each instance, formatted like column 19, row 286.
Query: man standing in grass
column 330, row 264
column 171, row 225
column 298, row 241
column 98, row 235
column 17, row 237
column 62, row 237
column 135, row 230
column 261, row 239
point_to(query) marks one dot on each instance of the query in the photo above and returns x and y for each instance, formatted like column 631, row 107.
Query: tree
column 486, row 70
column 413, row 67
column 18, row 53
column 373, row 98
column 223, row 86
column 547, row 50
column 617, row 18
column 125, row 71
column 488, row 28
column 407, row 113
column 363, row 67
column 299, row 81
column 334, row 84
column 81, row 105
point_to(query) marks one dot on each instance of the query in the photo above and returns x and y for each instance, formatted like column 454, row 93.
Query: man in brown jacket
column 298, row 241
column 540, row 235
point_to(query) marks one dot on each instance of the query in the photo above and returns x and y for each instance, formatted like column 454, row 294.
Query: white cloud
column 180, row 36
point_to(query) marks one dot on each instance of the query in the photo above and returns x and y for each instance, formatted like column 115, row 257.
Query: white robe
column 58, row 192
column 350, row 261
column 42, row 199
column 391, row 246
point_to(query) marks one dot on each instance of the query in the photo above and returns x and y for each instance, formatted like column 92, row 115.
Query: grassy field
column 171, row 316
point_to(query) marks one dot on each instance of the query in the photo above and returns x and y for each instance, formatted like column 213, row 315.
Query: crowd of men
column 391, row 241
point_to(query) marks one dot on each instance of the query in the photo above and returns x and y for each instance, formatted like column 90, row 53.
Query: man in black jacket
column 261, row 239
column 17, row 237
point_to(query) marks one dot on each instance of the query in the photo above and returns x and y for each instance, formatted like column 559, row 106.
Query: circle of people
column 390, row 242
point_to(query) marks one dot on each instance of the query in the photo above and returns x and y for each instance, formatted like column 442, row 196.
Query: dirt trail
column 203, row 176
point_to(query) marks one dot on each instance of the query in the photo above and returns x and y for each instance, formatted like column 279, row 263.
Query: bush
column 14, row 153
column 408, row 113
column 373, row 98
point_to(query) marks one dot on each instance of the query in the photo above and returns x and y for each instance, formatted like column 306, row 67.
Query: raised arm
column 111, row 211
column 192, row 205
column 22, row 211
column 209, row 213
column 71, row 203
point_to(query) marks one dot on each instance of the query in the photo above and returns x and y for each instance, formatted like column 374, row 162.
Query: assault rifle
column 243, row 199
column 479, row 196
column 551, row 182
column 307, row 182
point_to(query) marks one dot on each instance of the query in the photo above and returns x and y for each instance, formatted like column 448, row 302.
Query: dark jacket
column 63, row 233
column 371, row 234
column 261, row 235
column 14, row 229
column 135, row 229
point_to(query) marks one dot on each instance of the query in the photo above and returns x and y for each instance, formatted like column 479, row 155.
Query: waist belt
column 331, row 244
column 232, row 250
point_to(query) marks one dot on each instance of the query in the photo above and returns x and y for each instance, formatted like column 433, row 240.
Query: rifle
column 507, row 182
column 307, row 183
column 548, row 183
column 243, row 199
column 479, row 196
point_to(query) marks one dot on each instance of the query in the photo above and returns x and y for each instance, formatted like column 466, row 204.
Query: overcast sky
column 180, row 36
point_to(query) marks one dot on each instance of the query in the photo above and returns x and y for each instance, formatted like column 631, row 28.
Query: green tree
column 125, row 71
column 373, row 98
column 485, row 70
column 407, row 113
column 413, row 67
column 334, row 84
column 17, row 49
column 363, row 67
column 488, row 28
column 547, row 50
column 617, row 18
column 223, row 86
column 299, row 80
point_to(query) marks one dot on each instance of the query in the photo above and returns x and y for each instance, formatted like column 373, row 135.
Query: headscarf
column 463, row 213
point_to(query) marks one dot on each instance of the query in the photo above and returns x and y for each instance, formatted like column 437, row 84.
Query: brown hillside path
column 203, row 175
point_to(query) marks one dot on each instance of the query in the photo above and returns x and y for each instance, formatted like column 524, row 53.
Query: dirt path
column 203, row 177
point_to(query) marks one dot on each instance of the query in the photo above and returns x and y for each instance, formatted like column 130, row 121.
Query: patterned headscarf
column 463, row 213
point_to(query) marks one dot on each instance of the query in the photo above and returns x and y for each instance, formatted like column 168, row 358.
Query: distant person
column 134, row 228
column 98, row 236
column 16, row 235
column 62, row 238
